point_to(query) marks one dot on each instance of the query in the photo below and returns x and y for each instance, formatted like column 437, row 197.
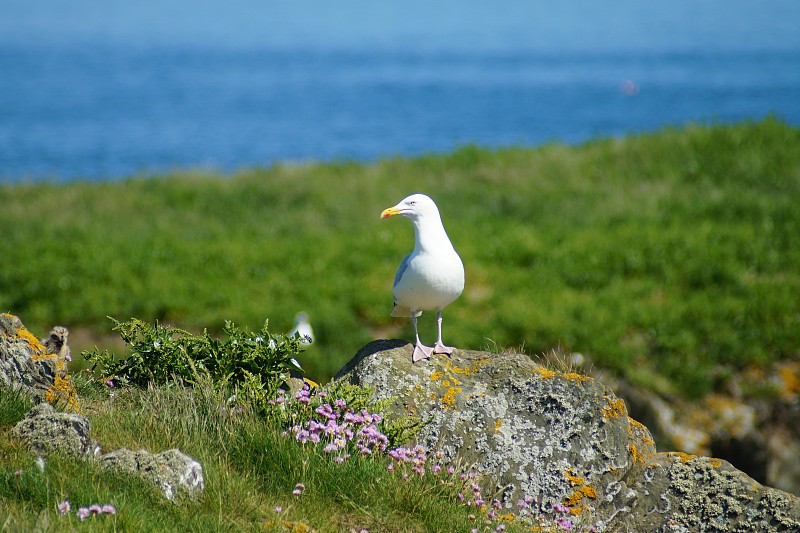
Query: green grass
column 249, row 468
column 669, row 254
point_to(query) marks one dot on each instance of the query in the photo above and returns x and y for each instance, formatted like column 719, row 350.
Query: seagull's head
column 413, row 207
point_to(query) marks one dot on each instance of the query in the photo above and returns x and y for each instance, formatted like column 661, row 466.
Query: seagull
column 431, row 276
column 302, row 328
column 56, row 343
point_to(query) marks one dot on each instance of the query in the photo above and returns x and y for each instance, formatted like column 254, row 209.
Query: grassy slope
column 668, row 253
column 249, row 470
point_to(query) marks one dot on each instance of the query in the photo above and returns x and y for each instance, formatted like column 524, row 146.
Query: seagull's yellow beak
column 390, row 212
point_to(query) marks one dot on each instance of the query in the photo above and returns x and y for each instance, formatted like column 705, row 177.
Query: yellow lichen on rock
column 587, row 491
column 33, row 342
column 449, row 398
column 436, row 376
column 63, row 391
column 636, row 456
column 572, row 478
column 546, row 373
column 615, row 407
column 684, row 457
column 497, row 424
column 642, row 429
column 466, row 371
column 574, row 376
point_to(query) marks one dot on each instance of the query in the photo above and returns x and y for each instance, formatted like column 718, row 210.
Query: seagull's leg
column 420, row 350
column 439, row 347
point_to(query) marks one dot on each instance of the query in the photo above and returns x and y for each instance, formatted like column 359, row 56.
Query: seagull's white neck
column 430, row 234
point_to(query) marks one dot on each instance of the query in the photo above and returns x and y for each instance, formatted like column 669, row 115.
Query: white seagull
column 302, row 328
column 431, row 276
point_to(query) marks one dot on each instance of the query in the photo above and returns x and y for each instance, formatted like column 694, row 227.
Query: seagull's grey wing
column 401, row 269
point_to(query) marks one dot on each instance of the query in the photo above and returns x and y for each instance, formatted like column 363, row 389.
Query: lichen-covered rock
column 680, row 492
column 49, row 433
column 536, row 433
column 564, row 438
column 39, row 368
column 172, row 471
column 752, row 421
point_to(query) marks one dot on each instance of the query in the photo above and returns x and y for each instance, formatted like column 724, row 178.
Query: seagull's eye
column 412, row 202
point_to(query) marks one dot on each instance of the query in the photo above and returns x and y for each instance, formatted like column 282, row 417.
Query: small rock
column 172, row 471
column 50, row 432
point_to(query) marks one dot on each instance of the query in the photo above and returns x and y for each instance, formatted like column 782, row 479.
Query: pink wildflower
column 64, row 507
column 560, row 508
column 564, row 523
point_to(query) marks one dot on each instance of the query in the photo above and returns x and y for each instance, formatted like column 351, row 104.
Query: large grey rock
column 49, row 432
column 172, row 471
column 564, row 438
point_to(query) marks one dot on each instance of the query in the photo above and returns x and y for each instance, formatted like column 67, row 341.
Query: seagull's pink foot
column 421, row 352
column 441, row 348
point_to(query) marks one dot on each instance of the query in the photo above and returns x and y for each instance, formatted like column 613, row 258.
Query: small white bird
column 431, row 276
column 302, row 327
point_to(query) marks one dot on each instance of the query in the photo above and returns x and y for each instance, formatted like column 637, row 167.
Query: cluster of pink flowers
column 85, row 512
column 336, row 424
column 562, row 519
column 417, row 457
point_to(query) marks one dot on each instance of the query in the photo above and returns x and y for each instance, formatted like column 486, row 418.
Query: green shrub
column 253, row 364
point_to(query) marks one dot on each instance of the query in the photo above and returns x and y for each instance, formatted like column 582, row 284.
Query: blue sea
column 106, row 89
